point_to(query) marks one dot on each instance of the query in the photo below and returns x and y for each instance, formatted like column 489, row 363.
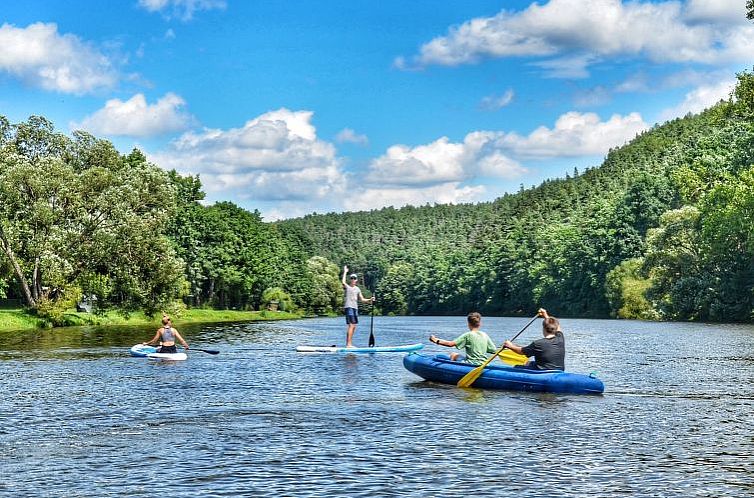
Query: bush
column 276, row 294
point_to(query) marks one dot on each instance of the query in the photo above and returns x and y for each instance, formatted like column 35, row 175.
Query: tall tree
column 73, row 211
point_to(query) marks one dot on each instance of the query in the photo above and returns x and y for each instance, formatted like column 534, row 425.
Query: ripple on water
column 82, row 418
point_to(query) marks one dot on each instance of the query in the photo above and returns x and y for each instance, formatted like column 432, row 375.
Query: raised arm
column 345, row 272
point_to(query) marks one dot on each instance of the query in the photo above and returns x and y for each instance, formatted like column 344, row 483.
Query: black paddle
column 210, row 351
column 371, row 326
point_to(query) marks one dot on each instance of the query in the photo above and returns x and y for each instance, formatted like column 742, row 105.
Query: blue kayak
column 441, row 369
column 377, row 349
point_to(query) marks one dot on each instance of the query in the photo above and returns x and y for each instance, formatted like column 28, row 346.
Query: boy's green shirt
column 476, row 345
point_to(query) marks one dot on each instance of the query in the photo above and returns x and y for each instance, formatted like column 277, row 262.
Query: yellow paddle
column 512, row 358
column 468, row 379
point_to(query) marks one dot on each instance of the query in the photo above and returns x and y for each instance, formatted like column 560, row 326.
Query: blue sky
column 293, row 107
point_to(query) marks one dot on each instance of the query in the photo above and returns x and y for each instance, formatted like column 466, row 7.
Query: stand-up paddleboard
column 150, row 352
column 380, row 349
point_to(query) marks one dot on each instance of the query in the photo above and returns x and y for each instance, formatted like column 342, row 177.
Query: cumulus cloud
column 700, row 98
column 446, row 193
column 347, row 135
column 589, row 30
column 442, row 162
column 40, row 56
column 136, row 118
column 498, row 154
column 277, row 159
column 575, row 134
column 496, row 102
column 274, row 156
column 723, row 11
column 181, row 9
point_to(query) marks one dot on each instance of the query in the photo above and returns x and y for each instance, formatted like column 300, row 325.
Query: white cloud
column 498, row 154
column 347, row 135
column 40, row 56
column 574, row 67
column 274, row 156
column 136, row 118
column 591, row 30
column 700, row 98
column 182, row 9
column 442, row 162
column 722, row 11
column 446, row 193
column 574, row 134
column 496, row 102
column 277, row 159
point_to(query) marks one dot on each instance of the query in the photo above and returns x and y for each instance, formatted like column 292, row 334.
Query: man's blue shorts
column 352, row 316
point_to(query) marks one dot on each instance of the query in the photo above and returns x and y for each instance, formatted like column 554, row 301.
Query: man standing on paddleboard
column 351, row 304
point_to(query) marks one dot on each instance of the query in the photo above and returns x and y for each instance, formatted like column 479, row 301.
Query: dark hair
column 550, row 325
column 474, row 319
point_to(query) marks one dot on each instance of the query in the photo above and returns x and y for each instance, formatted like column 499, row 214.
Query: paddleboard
column 150, row 352
column 380, row 349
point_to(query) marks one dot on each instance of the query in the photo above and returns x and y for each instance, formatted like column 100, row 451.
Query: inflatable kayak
column 150, row 352
column 380, row 349
column 441, row 369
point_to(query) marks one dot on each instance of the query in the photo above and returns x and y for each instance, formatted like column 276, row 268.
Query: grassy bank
column 18, row 319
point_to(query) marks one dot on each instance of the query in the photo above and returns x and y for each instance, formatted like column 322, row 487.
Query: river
column 81, row 418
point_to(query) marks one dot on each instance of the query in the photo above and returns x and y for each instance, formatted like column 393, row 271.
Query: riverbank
column 18, row 319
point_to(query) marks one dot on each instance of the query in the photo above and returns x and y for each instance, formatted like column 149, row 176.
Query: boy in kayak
column 548, row 352
column 351, row 305
column 166, row 336
column 475, row 344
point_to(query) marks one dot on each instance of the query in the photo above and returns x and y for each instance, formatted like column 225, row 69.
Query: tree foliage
column 75, row 211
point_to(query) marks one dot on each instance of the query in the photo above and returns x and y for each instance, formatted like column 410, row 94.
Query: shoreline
column 17, row 319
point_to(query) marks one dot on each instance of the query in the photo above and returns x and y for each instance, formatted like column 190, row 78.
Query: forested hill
column 662, row 229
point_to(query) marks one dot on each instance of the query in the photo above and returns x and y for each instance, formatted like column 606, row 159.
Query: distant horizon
column 291, row 110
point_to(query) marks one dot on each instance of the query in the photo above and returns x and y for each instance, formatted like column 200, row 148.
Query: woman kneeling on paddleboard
column 166, row 336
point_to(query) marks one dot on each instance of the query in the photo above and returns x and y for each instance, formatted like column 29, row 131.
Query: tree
column 393, row 289
column 71, row 210
column 750, row 9
column 675, row 264
column 625, row 288
column 326, row 287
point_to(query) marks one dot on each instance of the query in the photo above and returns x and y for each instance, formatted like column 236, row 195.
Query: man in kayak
column 548, row 352
column 475, row 344
column 166, row 336
column 351, row 304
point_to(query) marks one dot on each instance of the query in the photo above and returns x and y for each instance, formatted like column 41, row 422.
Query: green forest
column 661, row 230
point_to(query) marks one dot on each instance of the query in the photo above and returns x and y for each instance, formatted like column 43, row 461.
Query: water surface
column 80, row 417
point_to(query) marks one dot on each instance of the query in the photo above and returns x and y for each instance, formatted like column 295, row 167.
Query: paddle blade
column 468, row 379
column 371, row 340
column 511, row 358
column 209, row 351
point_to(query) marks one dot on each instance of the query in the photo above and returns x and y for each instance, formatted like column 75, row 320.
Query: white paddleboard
column 142, row 351
column 381, row 349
